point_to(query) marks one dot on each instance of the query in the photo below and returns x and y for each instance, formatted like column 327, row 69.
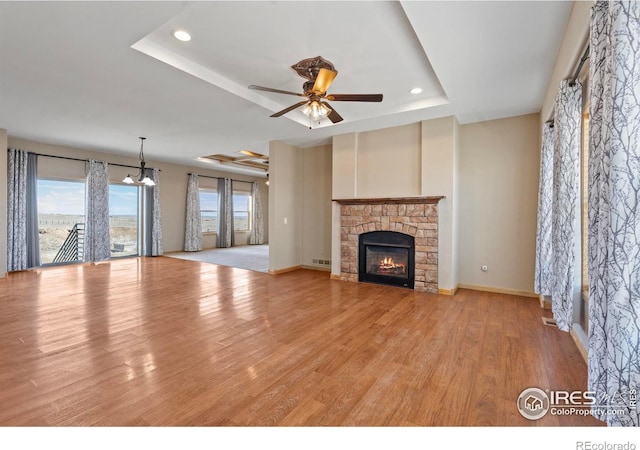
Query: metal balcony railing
column 73, row 247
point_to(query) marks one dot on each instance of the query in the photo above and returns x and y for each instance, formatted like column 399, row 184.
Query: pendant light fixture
column 142, row 177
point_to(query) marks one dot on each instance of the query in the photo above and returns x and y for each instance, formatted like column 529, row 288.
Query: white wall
column 499, row 164
column 173, row 184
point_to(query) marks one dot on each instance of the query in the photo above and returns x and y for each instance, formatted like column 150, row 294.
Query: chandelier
column 142, row 177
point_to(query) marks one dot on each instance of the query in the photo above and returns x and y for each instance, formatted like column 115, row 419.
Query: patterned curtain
column 614, row 210
column 156, row 224
column 257, row 222
column 566, row 189
column 17, row 211
column 96, row 235
column 225, row 237
column 544, row 269
column 193, row 228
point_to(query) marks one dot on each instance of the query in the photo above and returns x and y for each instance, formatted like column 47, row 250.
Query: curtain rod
column 85, row 160
column 585, row 56
column 219, row 178
column 572, row 81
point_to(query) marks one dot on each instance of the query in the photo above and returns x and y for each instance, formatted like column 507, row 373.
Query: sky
column 67, row 197
column 209, row 201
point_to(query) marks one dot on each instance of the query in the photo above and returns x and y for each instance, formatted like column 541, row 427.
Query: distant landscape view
column 61, row 220
column 54, row 229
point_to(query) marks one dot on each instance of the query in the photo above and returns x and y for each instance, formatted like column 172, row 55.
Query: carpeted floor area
column 250, row 257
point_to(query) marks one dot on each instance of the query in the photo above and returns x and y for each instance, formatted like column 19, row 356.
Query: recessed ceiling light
column 182, row 35
column 416, row 90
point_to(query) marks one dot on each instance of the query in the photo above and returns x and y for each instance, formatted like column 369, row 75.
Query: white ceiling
column 97, row 75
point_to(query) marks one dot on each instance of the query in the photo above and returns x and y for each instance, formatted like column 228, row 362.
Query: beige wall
column 300, row 191
column 173, row 186
column 375, row 176
column 3, row 206
column 316, row 206
column 407, row 161
column 488, row 173
column 499, row 163
column 571, row 50
column 285, row 201
column 439, row 150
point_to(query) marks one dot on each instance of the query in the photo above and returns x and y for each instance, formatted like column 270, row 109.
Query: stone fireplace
column 409, row 258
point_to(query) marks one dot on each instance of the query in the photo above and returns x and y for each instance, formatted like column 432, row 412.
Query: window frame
column 248, row 210
column 139, row 221
column 63, row 180
column 210, row 190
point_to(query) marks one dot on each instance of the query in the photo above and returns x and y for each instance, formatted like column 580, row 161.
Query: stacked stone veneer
column 417, row 220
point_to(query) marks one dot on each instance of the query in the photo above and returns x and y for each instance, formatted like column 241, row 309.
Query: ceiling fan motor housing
column 309, row 68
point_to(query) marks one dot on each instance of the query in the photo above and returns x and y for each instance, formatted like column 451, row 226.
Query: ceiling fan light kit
column 320, row 73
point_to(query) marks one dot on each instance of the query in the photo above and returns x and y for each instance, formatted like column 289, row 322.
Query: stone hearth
column 415, row 216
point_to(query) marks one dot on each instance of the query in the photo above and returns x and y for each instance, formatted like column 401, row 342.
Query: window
column 241, row 205
column 61, row 219
column 124, row 213
column 209, row 210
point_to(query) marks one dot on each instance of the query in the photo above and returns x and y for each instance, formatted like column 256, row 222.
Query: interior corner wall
column 316, row 207
column 573, row 44
column 3, row 205
column 438, row 166
column 455, row 229
column 499, row 165
column 286, row 165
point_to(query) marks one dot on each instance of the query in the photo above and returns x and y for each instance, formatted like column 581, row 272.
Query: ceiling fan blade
column 323, row 81
column 286, row 110
column 333, row 116
column 277, row 91
column 354, row 97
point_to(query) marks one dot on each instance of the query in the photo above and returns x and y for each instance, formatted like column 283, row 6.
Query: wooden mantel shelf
column 388, row 201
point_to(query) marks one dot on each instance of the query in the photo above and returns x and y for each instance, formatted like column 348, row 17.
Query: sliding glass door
column 61, row 217
column 124, row 220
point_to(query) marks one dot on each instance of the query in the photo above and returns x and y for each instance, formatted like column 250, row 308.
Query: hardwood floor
column 164, row 341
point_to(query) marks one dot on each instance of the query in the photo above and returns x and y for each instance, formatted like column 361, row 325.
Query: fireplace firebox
column 386, row 257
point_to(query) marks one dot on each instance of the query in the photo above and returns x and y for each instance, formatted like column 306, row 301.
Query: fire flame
column 389, row 263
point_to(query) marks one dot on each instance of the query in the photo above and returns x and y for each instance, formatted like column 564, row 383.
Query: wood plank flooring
column 168, row 342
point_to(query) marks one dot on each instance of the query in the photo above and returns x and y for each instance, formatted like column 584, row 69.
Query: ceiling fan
column 320, row 73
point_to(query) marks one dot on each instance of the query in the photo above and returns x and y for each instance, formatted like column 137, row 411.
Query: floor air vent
column 549, row 322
